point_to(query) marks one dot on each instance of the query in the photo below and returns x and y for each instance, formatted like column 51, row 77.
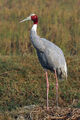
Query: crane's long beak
column 28, row 18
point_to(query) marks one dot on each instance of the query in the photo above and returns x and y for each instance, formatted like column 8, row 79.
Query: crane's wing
column 53, row 53
column 52, row 58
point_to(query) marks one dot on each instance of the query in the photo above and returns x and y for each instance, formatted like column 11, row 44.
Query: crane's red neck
column 34, row 18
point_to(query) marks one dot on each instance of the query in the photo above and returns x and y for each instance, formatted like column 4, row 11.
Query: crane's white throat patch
column 34, row 28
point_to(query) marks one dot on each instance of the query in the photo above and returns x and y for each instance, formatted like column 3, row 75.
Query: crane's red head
column 32, row 17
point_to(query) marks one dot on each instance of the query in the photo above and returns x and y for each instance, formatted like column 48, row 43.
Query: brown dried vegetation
column 22, row 79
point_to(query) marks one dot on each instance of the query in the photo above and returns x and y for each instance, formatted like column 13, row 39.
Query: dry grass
column 22, row 79
column 59, row 21
column 40, row 113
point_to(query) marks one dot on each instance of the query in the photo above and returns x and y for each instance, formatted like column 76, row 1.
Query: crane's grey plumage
column 50, row 55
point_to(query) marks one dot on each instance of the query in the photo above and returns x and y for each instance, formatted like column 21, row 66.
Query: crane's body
column 50, row 55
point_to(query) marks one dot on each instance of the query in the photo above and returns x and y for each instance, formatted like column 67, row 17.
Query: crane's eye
column 34, row 17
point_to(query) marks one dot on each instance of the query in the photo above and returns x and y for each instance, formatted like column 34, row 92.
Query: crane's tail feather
column 62, row 74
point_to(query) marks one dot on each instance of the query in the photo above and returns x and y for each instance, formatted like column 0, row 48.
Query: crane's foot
column 47, row 108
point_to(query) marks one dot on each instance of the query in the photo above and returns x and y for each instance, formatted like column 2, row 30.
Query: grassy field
column 23, row 83
column 22, row 79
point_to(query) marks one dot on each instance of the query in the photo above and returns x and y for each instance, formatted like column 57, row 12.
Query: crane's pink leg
column 47, row 89
column 56, row 88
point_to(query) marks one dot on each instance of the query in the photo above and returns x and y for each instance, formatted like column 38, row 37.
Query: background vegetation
column 22, row 79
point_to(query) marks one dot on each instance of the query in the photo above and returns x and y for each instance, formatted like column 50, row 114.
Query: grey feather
column 50, row 56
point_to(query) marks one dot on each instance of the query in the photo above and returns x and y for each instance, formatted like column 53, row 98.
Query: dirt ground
column 40, row 113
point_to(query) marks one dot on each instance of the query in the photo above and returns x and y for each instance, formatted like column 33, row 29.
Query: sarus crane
column 50, row 55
